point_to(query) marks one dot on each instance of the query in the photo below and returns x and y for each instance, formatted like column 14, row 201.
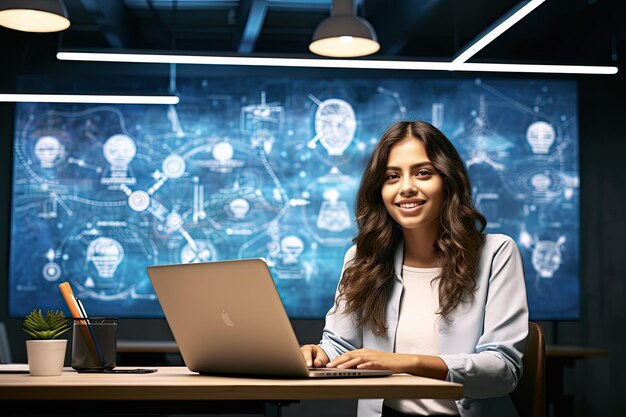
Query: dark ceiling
column 590, row 32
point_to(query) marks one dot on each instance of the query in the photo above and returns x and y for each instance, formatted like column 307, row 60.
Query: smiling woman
column 424, row 290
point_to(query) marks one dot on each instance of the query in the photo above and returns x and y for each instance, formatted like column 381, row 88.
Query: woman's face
column 413, row 189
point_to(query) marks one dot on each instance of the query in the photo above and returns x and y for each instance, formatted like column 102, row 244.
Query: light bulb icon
column 334, row 215
column 239, row 207
column 48, row 151
column 119, row 150
column 106, row 254
column 223, row 152
column 292, row 247
column 541, row 182
column 540, row 136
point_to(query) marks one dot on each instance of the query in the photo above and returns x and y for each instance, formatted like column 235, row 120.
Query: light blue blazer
column 482, row 344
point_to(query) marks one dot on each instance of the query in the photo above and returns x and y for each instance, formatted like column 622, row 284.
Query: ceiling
column 590, row 32
column 582, row 31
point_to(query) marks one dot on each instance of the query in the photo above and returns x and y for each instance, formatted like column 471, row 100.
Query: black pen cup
column 94, row 344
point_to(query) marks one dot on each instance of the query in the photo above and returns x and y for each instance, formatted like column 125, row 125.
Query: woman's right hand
column 314, row 356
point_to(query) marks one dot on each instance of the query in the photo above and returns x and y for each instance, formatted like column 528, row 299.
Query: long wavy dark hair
column 368, row 277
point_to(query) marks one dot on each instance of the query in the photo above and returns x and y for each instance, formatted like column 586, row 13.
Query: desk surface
column 564, row 351
column 178, row 383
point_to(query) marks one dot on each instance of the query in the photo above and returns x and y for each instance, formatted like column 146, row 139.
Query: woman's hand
column 373, row 359
column 314, row 356
column 422, row 365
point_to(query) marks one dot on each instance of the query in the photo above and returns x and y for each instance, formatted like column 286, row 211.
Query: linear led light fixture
column 498, row 28
column 333, row 63
column 84, row 98
column 532, row 68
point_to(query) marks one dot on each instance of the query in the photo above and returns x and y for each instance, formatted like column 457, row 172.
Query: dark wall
column 595, row 381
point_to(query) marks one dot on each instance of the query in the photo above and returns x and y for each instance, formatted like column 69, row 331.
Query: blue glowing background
column 268, row 167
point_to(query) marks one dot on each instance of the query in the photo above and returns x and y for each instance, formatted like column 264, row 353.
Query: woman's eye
column 423, row 173
column 391, row 176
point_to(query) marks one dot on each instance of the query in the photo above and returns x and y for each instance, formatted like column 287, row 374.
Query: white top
column 417, row 333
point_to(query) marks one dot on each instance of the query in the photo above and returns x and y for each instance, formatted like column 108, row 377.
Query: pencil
column 72, row 304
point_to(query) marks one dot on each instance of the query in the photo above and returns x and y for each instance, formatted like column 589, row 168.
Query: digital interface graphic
column 250, row 167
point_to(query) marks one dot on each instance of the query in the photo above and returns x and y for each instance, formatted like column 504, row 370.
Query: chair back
column 5, row 349
column 529, row 395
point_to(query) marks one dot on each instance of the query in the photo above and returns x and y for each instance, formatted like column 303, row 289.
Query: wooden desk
column 559, row 357
column 177, row 390
column 573, row 352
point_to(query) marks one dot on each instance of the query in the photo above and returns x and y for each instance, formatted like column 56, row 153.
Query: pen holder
column 94, row 344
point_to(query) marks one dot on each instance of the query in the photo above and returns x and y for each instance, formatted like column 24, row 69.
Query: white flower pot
column 46, row 357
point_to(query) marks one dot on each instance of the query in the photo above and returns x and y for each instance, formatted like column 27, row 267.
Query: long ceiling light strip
column 251, row 61
column 498, row 30
column 334, row 63
column 538, row 69
column 84, row 98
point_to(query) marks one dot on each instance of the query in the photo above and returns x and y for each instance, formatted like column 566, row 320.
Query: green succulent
column 51, row 327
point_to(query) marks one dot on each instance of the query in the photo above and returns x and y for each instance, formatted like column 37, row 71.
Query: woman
column 423, row 290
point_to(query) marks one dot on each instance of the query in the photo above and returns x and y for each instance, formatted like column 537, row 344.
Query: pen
column 81, row 308
column 91, row 331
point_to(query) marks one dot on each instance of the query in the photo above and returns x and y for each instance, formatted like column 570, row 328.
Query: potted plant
column 46, row 351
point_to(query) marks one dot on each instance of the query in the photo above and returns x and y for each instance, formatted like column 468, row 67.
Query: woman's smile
column 410, row 206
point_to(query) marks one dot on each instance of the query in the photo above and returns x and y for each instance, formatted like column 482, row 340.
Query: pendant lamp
column 34, row 15
column 343, row 34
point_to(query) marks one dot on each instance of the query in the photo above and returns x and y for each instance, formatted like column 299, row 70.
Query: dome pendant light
column 343, row 34
column 34, row 15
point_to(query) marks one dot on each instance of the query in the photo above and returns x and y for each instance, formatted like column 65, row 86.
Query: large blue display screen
column 268, row 167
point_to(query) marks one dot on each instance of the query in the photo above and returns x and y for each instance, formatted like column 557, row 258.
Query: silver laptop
column 228, row 319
